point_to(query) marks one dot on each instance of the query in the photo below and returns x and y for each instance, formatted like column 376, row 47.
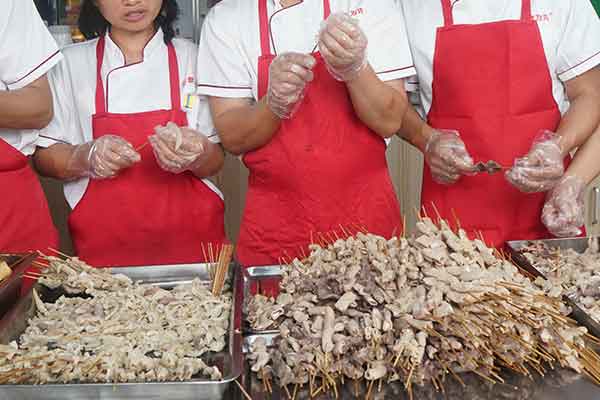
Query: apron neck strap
column 265, row 26
column 449, row 19
column 101, row 103
column 526, row 10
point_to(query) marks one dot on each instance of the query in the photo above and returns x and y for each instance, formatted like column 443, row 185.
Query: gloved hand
column 564, row 211
column 447, row 157
column 102, row 158
column 288, row 75
column 178, row 149
column 343, row 45
column 542, row 168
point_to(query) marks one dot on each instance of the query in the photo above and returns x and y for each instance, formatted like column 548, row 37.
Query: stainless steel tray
column 15, row 322
column 252, row 277
column 516, row 248
column 10, row 288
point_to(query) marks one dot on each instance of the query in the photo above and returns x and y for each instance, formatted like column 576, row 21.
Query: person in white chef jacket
column 306, row 92
column 512, row 81
column 27, row 53
column 132, row 140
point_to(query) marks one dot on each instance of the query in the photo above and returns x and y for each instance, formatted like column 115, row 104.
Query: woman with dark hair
column 129, row 144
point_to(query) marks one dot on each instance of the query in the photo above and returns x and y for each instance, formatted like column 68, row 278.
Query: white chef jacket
column 570, row 31
column 27, row 52
column 230, row 42
column 135, row 88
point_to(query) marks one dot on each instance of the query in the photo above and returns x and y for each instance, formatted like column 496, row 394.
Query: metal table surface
column 556, row 385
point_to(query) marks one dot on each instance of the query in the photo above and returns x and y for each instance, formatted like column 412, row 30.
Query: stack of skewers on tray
column 420, row 310
column 103, row 327
column 568, row 272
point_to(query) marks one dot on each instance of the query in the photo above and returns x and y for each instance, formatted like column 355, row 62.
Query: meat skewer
column 121, row 332
column 413, row 310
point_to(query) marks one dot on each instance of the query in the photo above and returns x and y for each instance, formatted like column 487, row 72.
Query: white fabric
column 570, row 32
column 230, row 42
column 129, row 89
column 27, row 52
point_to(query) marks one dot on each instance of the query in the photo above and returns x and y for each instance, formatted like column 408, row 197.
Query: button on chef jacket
column 128, row 89
column 27, row 52
column 230, row 43
column 570, row 32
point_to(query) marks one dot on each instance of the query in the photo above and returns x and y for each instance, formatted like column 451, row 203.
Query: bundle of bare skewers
column 119, row 331
column 418, row 310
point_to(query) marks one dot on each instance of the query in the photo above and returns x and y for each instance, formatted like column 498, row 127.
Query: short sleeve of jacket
column 27, row 50
column 579, row 47
column 222, row 67
column 388, row 50
column 64, row 124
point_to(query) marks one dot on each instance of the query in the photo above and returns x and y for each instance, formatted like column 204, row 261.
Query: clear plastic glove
column 102, row 158
column 564, row 211
column 447, row 157
column 343, row 45
column 178, row 149
column 542, row 168
column 288, row 75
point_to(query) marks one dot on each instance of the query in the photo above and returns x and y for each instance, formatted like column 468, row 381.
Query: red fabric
column 492, row 84
column 25, row 219
column 323, row 170
column 146, row 215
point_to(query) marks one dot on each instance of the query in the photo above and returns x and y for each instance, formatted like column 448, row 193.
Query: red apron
column 322, row 169
column 25, row 222
column 491, row 83
column 145, row 216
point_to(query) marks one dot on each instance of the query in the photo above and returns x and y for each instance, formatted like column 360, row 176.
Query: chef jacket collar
column 278, row 6
column 115, row 53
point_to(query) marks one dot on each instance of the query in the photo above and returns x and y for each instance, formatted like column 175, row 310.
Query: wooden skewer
column 346, row 236
column 210, row 253
column 141, row 147
column 39, row 264
column 246, row 395
column 425, row 211
column 287, row 392
column 437, row 213
column 369, row 391
column 60, row 253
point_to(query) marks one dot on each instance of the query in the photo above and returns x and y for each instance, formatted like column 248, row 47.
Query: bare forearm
column 414, row 130
column 54, row 161
column 26, row 108
column 579, row 122
column 245, row 128
column 377, row 104
column 211, row 163
column 586, row 164
column 583, row 116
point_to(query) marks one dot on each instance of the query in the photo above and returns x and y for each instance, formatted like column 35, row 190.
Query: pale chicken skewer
column 124, row 332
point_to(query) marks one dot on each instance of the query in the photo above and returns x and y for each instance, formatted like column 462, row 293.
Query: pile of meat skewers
column 74, row 276
column 118, row 332
column 576, row 275
column 416, row 310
